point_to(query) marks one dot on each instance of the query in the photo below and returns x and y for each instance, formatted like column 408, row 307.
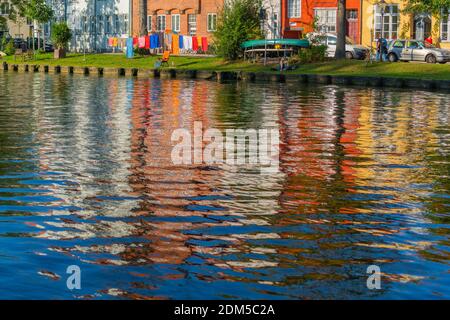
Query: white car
column 352, row 50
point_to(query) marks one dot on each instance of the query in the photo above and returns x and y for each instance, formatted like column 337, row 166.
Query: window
column 352, row 14
column 192, row 24
column 116, row 24
column 125, row 24
column 4, row 8
column 413, row 45
column 176, row 22
column 99, row 24
column 108, row 24
column 212, row 22
column 390, row 24
column 92, row 24
column 326, row 19
column 160, row 23
column 149, row 24
column 275, row 25
column 445, row 25
column 84, row 25
column 294, row 8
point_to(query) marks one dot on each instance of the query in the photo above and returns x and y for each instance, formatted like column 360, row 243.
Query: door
column 422, row 26
column 352, row 25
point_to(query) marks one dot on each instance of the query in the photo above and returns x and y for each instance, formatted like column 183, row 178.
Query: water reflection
column 86, row 178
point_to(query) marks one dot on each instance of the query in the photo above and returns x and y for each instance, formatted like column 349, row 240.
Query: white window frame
column 192, row 25
column 445, row 26
column 211, row 22
column 294, row 8
column 389, row 16
column 175, row 21
column 116, row 24
column 328, row 21
column 161, row 23
column 100, row 24
column 108, row 24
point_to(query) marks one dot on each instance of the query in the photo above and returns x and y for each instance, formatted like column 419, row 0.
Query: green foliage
column 61, row 35
column 9, row 48
column 38, row 10
column 433, row 7
column 237, row 22
column 316, row 53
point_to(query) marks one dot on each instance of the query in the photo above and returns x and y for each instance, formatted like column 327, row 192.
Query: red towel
column 147, row 42
column 135, row 41
column 205, row 44
column 194, row 43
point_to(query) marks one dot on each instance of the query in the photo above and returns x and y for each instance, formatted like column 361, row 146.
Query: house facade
column 187, row 17
column 16, row 29
column 401, row 25
column 92, row 22
column 302, row 16
column 271, row 19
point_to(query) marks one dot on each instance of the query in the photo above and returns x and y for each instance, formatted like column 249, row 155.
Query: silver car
column 414, row 50
column 352, row 50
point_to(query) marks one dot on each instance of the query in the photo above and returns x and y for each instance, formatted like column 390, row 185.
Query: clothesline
column 174, row 42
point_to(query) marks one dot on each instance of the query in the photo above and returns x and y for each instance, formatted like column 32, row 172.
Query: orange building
column 187, row 17
column 298, row 17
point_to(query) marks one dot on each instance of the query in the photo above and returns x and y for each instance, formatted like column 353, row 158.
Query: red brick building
column 187, row 17
column 298, row 17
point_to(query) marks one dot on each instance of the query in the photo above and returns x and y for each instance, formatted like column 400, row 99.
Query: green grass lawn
column 346, row 67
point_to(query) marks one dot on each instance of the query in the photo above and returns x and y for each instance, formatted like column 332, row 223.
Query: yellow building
column 398, row 24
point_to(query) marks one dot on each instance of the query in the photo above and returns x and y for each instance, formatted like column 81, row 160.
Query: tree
column 238, row 22
column 143, row 17
column 38, row 11
column 433, row 7
column 61, row 36
column 341, row 30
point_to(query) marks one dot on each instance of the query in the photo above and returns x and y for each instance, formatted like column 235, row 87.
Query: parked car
column 414, row 50
column 352, row 50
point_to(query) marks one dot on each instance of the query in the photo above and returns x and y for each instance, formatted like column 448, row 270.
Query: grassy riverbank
column 344, row 68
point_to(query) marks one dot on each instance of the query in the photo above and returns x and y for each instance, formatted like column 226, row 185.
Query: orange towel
column 199, row 41
column 175, row 44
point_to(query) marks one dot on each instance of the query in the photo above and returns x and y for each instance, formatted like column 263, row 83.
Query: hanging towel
column 141, row 42
column 110, row 42
column 194, row 43
column 115, row 42
column 205, row 44
column 147, row 42
column 181, row 41
column 175, row 44
column 199, row 41
column 135, row 41
column 130, row 52
column 186, row 42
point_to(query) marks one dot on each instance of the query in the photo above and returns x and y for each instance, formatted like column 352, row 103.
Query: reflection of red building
column 298, row 17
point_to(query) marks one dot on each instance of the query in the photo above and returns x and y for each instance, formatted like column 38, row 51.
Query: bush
column 237, row 22
column 61, row 35
column 9, row 48
column 316, row 53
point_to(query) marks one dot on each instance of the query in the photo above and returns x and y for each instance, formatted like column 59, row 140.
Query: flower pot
column 59, row 53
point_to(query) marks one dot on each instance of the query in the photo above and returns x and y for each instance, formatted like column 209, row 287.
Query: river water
column 86, row 179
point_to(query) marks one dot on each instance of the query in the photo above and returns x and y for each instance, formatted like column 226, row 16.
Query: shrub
column 9, row 48
column 61, row 35
column 237, row 22
column 316, row 53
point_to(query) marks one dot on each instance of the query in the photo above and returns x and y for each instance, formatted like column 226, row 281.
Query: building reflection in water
column 360, row 183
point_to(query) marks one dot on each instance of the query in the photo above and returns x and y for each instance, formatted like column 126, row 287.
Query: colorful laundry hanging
column 194, row 43
column 130, row 48
column 135, row 41
column 175, row 44
column 199, row 41
column 147, row 42
column 141, row 42
column 181, row 42
column 205, row 44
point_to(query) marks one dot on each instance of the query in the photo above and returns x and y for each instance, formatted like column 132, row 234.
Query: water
column 86, row 179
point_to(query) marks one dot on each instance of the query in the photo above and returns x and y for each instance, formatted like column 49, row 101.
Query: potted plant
column 61, row 36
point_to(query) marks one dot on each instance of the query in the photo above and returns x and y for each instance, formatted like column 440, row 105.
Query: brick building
column 298, row 17
column 188, row 17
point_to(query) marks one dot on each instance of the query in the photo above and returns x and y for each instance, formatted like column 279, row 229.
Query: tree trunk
column 143, row 17
column 43, row 38
column 341, row 30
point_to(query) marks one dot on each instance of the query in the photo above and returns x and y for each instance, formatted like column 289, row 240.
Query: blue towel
column 130, row 49
column 181, row 42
